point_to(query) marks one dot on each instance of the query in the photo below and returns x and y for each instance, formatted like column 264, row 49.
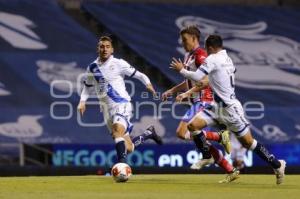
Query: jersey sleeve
column 88, row 81
column 207, row 66
column 88, row 78
column 126, row 68
column 200, row 57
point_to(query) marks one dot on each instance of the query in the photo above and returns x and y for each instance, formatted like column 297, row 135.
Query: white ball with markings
column 121, row 172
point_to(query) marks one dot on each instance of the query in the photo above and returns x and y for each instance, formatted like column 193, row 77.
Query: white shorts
column 232, row 116
column 120, row 113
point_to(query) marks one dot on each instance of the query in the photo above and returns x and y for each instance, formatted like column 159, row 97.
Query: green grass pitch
column 150, row 187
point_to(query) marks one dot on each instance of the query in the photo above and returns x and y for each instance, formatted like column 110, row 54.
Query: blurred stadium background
column 46, row 44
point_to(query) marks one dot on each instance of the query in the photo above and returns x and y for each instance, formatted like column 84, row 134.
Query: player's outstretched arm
column 145, row 80
column 188, row 93
column 83, row 98
column 179, row 67
column 178, row 88
column 151, row 89
column 85, row 93
column 198, row 87
column 203, row 83
column 81, row 107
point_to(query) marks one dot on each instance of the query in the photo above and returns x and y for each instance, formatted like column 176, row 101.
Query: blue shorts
column 195, row 108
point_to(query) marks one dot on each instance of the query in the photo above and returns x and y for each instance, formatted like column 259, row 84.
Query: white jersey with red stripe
column 192, row 61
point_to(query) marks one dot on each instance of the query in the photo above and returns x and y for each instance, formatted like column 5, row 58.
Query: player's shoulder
column 200, row 52
column 216, row 58
column 92, row 65
column 210, row 58
column 120, row 61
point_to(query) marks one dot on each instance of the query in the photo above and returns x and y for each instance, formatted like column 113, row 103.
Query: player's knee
column 118, row 131
column 247, row 143
column 192, row 127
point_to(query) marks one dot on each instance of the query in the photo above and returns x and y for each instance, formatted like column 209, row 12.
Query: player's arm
column 198, row 87
column 130, row 71
column 145, row 80
column 198, row 75
column 178, row 88
column 88, row 82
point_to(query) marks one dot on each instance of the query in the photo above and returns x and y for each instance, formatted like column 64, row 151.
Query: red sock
column 220, row 160
column 226, row 165
column 213, row 136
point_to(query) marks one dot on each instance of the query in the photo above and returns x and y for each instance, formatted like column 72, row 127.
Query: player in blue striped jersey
column 106, row 74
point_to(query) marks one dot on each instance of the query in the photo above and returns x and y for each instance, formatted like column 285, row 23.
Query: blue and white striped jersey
column 108, row 80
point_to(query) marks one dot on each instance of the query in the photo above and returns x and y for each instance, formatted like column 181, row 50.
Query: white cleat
column 280, row 172
column 201, row 163
column 231, row 176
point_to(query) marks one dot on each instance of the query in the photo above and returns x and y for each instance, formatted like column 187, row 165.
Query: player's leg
column 183, row 133
column 221, row 137
column 237, row 123
column 118, row 132
column 119, row 117
column 237, row 154
column 195, row 126
column 217, row 157
column 128, row 142
column 219, row 134
column 232, row 172
column 251, row 144
column 149, row 133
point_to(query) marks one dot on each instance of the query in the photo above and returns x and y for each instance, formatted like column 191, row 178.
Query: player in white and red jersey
column 106, row 74
column 226, row 108
column 199, row 98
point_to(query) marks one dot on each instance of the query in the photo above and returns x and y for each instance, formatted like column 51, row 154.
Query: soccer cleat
column 154, row 135
column 201, row 163
column 280, row 172
column 225, row 141
column 231, row 176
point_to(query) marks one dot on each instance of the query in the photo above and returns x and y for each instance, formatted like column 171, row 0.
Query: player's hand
column 181, row 97
column 81, row 107
column 166, row 94
column 151, row 90
column 176, row 64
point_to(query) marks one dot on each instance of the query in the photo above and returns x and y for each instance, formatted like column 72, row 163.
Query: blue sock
column 203, row 147
column 140, row 139
column 264, row 154
column 121, row 149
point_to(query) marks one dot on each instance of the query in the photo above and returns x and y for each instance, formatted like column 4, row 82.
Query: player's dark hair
column 191, row 30
column 105, row 38
column 214, row 41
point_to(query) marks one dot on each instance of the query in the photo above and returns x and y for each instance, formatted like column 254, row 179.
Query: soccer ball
column 121, row 172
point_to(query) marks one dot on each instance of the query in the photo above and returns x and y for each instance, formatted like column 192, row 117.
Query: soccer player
column 226, row 108
column 106, row 74
column 200, row 97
